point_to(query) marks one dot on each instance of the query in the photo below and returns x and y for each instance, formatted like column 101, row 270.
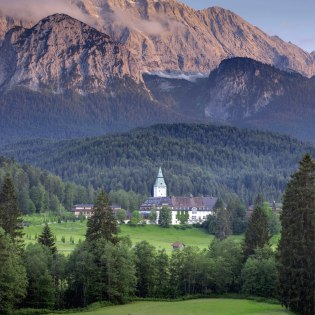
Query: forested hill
column 196, row 159
column 40, row 191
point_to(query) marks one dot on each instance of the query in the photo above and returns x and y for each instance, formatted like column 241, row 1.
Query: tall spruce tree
column 102, row 224
column 296, row 246
column 10, row 219
column 47, row 239
column 256, row 234
column 223, row 224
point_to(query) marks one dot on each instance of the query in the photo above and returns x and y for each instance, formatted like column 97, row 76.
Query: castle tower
column 160, row 189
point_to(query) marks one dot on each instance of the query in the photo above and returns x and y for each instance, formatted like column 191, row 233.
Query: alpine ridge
column 60, row 53
column 170, row 36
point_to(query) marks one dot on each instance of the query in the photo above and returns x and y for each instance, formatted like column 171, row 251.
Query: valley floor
column 195, row 307
column 159, row 237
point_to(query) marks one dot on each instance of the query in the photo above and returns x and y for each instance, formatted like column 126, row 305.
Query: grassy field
column 158, row 237
column 192, row 307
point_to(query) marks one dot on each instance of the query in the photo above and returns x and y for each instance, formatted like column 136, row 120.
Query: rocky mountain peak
column 241, row 87
column 61, row 53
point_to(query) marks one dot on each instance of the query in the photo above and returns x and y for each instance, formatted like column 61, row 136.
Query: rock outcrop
column 61, row 53
column 167, row 35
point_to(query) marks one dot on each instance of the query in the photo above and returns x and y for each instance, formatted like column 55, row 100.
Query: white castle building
column 194, row 209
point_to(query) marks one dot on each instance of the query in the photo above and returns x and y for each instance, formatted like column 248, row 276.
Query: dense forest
column 39, row 191
column 196, row 159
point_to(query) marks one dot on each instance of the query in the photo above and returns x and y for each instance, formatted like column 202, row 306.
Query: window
column 193, row 217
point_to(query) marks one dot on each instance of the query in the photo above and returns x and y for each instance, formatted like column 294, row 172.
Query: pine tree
column 10, row 213
column 296, row 246
column 102, row 224
column 47, row 239
column 13, row 279
column 223, row 224
column 256, row 234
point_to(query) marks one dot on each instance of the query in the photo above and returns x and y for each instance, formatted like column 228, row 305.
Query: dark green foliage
column 146, row 272
column 228, row 253
column 191, row 272
column 47, row 239
column 10, row 213
column 257, row 234
column 259, row 274
column 124, row 104
column 80, row 273
column 39, row 191
column 102, row 224
column 223, row 224
column 197, row 159
column 165, row 217
column 297, row 243
column 41, row 289
column 162, row 274
column 238, row 215
column 127, row 200
column 13, row 281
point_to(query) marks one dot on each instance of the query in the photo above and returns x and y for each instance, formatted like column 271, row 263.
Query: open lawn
column 159, row 237
column 192, row 307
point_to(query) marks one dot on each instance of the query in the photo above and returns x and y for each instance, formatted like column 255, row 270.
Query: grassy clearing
column 158, row 237
column 192, row 307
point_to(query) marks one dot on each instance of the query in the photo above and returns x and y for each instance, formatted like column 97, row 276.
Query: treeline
column 196, row 159
column 107, row 268
column 39, row 191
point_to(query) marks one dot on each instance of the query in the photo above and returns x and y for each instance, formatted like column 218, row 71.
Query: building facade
column 183, row 209
column 86, row 210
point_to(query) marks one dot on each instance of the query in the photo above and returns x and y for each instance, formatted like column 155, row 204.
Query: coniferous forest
column 196, row 159
column 106, row 267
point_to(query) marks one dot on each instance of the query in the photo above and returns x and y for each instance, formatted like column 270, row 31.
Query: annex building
column 195, row 209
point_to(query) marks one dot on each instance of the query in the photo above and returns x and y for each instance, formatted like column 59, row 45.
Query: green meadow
column 192, row 307
column 74, row 232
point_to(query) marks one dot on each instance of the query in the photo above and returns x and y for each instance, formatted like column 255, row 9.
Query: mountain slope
column 62, row 78
column 244, row 92
column 60, row 53
column 168, row 35
column 197, row 159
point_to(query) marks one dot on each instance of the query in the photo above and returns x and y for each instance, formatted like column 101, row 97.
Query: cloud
column 192, row 77
column 35, row 10
column 123, row 18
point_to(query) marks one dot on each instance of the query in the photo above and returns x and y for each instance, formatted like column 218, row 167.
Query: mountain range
column 141, row 62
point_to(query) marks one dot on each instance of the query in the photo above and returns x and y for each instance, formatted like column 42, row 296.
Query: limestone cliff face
column 162, row 35
column 61, row 53
column 243, row 89
column 169, row 35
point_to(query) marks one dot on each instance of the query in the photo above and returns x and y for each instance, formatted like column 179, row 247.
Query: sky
column 291, row 20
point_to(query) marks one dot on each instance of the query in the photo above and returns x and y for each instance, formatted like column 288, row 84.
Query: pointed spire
column 160, row 174
column 160, row 189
